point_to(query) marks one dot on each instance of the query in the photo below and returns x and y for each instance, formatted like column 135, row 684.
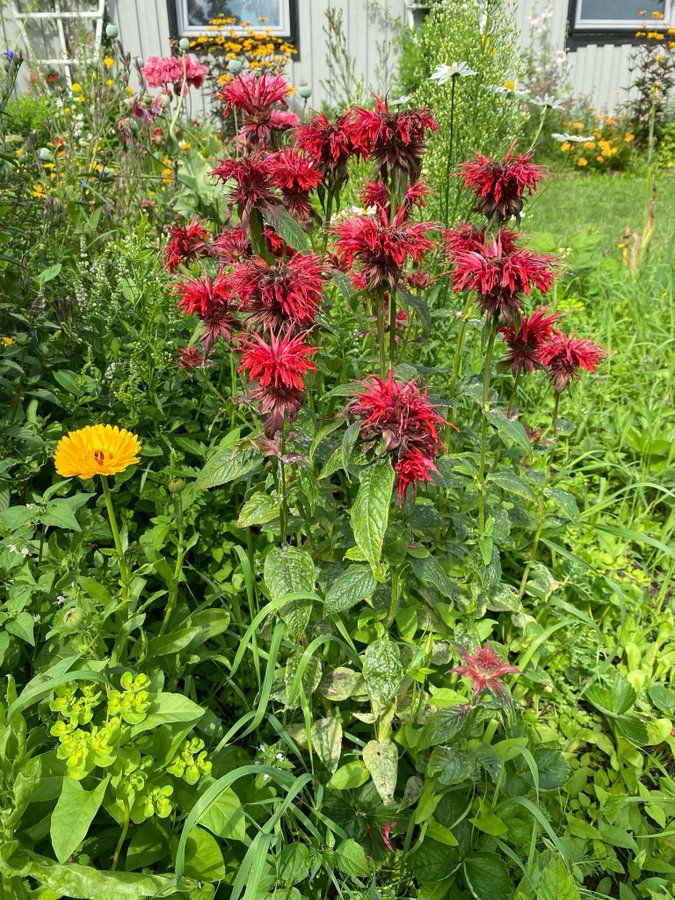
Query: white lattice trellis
column 57, row 16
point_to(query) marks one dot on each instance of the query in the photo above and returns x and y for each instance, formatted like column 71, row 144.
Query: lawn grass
column 606, row 203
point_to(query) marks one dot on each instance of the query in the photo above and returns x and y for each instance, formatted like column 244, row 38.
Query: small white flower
column 25, row 552
column 444, row 73
column 547, row 101
column 561, row 57
column 511, row 88
column 37, row 617
column 12, row 548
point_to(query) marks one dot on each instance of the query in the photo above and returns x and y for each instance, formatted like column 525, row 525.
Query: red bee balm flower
column 402, row 417
column 187, row 242
column 396, row 139
column 252, row 184
column 525, row 341
column 288, row 291
column 256, row 95
column 330, row 144
column 295, row 174
column 563, row 355
column 499, row 186
column 485, row 669
column 381, row 248
column 210, row 300
column 279, row 367
column 500, row 273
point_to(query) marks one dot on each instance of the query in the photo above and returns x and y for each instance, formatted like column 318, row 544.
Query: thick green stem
column 123, row 836
column 460, row 345
column 446, row 204
column 379, row 308
column 392, row 329
column 484, row 426
column 283, row 511
column 180, row 553
column 124, row 569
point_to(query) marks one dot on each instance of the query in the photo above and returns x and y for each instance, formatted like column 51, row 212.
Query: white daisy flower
column 444, row 73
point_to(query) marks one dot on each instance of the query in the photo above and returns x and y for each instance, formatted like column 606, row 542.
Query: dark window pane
column 200, row 11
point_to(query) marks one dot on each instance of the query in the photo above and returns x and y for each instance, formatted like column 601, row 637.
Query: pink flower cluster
column 167, row 72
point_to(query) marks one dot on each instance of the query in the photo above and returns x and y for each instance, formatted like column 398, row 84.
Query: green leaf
column 510, row 431
column 382, row 671
column 356, row 585
column 287, row 228
column 73, row 814
column 350, row 858
column 203, row 857
column 487, row 877
column 430, row 572
column 452, row 766
column 259, row 509
column 663, row 697
column 554, row 771
column 489, row 823
column 370, row 513
column 381, row 759
column 615, row 699
column 228, row 464
column 432, row 862
column 443, row 726
column 350, row 776
column 15, row 518
column 225, row 816
column 167, row 708
column 22, row 627
column 565, row 502
column 59, row 514
column 556, row 883
column 48, row 274
column 510, row 482
column 203, row 625
column 293, row 863
column 327, row 740
column 147, row 846
column 289, row 570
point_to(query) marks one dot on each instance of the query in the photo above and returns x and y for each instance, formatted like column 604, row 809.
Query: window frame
column 287, row 29
column 582, row 32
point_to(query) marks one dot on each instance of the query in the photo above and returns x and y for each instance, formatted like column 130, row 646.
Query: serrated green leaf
column 510, row 431
column 356, row 585
column 443, row 726
column 370, row 513
column 228, row 464
column 382, row 671
column 288, row 570
column 511, row 483
column 430, row 572
column 259, row 509
column 381, row 759
column 487, row 877
column 556, row 883
column 287, row 228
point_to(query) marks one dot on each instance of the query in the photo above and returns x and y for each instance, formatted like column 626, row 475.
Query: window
column 194, row 15
column 616, row 21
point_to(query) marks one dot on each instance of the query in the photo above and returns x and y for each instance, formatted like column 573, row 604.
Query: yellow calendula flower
column 96, row 450
column 39, row 191
column 589, row 145
column 109, row 82
column 582, row 161
column 565, row 146
column 76, row 87
column 629, row 137
column 600, row 158
column 108, row 62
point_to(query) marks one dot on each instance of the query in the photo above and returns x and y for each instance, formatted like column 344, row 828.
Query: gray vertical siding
column 599, row 72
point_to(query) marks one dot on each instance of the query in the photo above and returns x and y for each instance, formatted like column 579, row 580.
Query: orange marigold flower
column 96, row 450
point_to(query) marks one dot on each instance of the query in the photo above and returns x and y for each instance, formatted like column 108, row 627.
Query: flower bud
column 176, row 485
column 235, row 66
column 165, row 100
column 45, row 154
column 305, row 91
column 111, row 31
column 72, row 618
column 184, row 44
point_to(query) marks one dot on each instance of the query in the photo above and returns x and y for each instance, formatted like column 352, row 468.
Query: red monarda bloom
column 401, row 416
column 287, row 292
column 499, row 186
column 255, row 95
column 330, row 144
column 211, row 301
column 252, row 188
column 485, row 669
column 191, row 358
column 563, row 355
column 396, row 138
column 500, row 273
column 187, row 242
column 525, row 341
column 232, row 245
column 295, row 174
column 279, row 368
column 381, row 249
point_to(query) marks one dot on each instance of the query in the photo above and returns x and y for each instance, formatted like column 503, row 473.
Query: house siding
column 600, row 72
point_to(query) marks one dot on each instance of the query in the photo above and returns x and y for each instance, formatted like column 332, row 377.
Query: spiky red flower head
column 412, row 469
column 500, row 273
column 252, row 186
column 375, row 193
column 191, row 358
column 289, row 291
column 465, row 238
column 401, row 416
column 232, row 244
column 202, row 295
column 187, row 242
column 330, row 144
column 396, row 138
column 563, row 355
column 279, row 367
column 485, row 669
column 525, row 340
column 381, row 249
column 295, row 174
column 499, row 186
column 277, row 245
column 254, row 93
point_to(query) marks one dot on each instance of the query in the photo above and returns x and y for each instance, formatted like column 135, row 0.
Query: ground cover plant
column 336, row 538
